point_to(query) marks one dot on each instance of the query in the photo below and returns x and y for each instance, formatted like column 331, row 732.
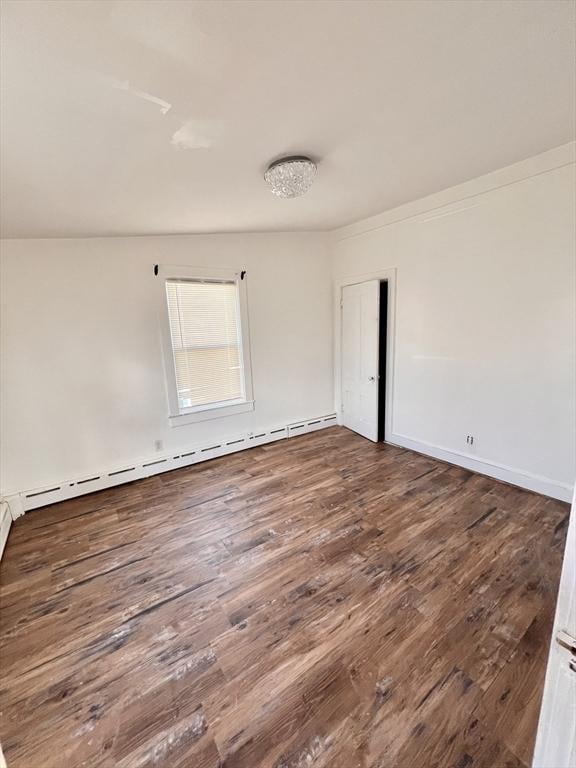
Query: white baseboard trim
column 531, row 482
column 5, row 523
column 22, row 501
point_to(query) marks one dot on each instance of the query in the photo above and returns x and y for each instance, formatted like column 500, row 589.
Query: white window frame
column 176, row 415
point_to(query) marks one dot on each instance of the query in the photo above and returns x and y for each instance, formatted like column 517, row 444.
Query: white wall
column 82, row 372
column 484, row 342
column 485, row 314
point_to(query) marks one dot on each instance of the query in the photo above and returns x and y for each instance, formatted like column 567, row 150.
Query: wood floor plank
column 323, row 602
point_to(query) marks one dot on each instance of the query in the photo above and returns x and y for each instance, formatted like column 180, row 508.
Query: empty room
column 288, row 384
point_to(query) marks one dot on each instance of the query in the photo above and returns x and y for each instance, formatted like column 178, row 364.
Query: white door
column 556, row 739
column 360, row 341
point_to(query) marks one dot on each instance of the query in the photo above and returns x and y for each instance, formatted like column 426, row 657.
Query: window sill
column 206, row 414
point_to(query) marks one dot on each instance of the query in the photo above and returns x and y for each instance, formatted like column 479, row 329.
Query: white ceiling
column 141, row 117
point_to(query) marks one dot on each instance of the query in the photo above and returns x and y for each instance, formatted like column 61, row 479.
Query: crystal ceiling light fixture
column 291, row 176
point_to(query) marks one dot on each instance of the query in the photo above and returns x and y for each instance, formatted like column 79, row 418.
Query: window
column 206, row 344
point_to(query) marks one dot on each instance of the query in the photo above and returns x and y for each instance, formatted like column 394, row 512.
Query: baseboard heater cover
column 302, row 427
column 5, row 523
column 40, row 497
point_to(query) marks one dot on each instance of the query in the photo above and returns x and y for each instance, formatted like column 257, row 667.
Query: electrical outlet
column 470, row 439
column 158, row 444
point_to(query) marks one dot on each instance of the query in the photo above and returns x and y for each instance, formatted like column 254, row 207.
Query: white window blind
column 206, row 341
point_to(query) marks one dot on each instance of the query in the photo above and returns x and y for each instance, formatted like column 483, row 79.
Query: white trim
column 188, row 272
column 545, row 162
column 556, row 735
column 527, row 480
column 208, row 412
column 176, row 415
column 22, row 501
column 388, row 275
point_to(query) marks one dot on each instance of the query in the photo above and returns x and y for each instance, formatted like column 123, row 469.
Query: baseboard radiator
column 21, row 502
column 5, row 523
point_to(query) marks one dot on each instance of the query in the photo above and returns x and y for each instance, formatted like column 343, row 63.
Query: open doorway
column 382, row 359
column 364, row 346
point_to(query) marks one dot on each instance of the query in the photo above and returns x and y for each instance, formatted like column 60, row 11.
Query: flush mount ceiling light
column 291, row 176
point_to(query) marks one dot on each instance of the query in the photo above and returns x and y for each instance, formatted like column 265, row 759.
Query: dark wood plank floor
column 318, row 602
